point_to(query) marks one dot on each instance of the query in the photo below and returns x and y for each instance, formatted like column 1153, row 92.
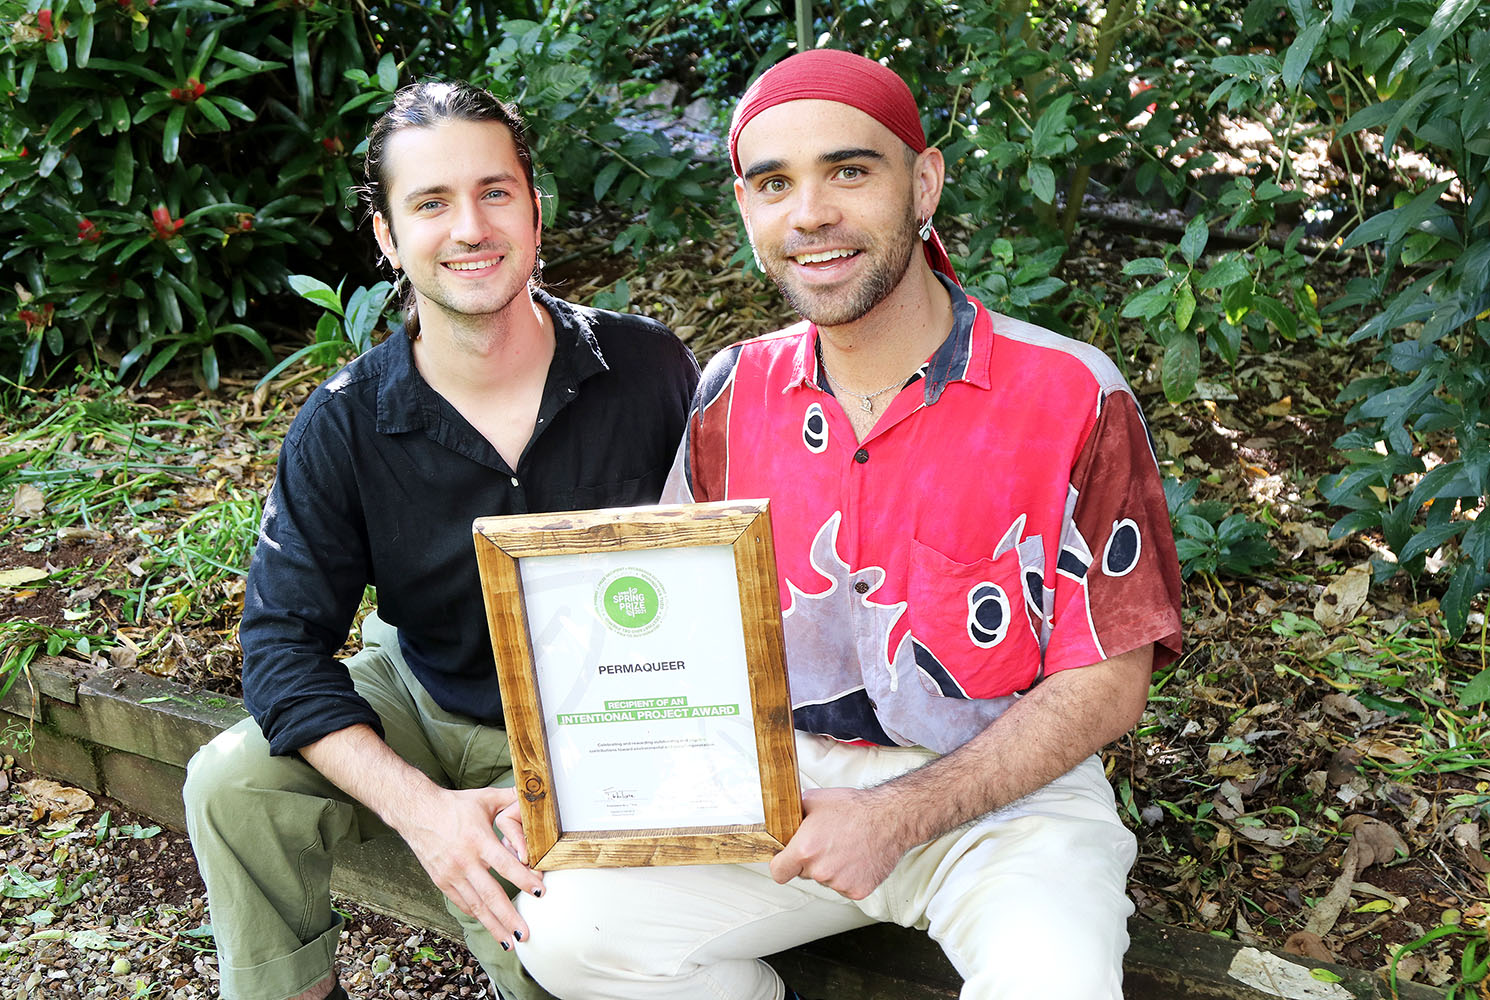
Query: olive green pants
column 263, row 829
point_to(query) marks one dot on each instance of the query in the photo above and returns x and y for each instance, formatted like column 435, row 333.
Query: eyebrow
column 419, row 194
column 832, row 156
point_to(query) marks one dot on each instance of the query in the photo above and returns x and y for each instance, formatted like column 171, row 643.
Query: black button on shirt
column 378, row 482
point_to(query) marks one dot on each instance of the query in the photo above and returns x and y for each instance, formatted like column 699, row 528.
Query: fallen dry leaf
column 1344, row 597
column 1343, row 766
column 1373, row 841
column 21, row 575
column 74, row 533
column 1467, row 836
column 1343, row 705
column 28, row 501
column 1382, row 750
column 1281, row 408
column 1308, row 536
column 1277, row 977
column 1308, row 945
column 49, row 799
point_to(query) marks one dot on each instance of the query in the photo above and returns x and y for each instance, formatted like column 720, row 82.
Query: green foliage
column 1210, row 542
column 1431, row 298
column 22, row 641
column 339, row 332
column 1474, row 961
column 589, row 136
column 161, row 165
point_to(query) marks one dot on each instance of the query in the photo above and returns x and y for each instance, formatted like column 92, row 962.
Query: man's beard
column 834, row 307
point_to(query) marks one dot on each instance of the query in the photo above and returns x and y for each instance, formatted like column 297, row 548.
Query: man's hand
column 450, row 831
column 451, row 834
column 849, row 841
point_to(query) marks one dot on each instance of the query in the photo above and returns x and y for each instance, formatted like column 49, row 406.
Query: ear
column 385, row 239
column 930, row 175
column 537, row 217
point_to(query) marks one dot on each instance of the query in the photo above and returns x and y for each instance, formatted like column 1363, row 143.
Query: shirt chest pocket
column 976, row 623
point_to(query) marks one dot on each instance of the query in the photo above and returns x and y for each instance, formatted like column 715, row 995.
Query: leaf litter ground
column 1306, row 776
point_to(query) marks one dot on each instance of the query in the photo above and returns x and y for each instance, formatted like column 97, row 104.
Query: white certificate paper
column 641, row 674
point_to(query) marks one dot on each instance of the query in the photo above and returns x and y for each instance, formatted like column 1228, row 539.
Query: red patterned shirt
column 1003, row 520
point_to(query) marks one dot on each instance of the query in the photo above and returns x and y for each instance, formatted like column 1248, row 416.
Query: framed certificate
column 643, row 676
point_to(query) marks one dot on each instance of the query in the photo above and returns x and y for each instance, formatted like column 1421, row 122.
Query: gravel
column 96, row 902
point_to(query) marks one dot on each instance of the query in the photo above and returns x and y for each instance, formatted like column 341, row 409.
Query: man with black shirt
column 501, row 400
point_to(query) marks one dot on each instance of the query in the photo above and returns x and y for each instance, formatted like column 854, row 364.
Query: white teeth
column 469, row 265
column 826, row 255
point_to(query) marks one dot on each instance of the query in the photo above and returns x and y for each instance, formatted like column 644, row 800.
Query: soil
column 144, row 906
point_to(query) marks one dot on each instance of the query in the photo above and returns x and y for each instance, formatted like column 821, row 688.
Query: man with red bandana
column 977, row 578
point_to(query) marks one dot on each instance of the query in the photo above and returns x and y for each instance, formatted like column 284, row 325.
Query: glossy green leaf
column 84, row 47
column 1229, row 270
column 1197, row 234
column 388, row 72
column 212, row 112
column 234, row 107
column 170, row 140
column 159, row 361
column 317, row 291
column 121, row 181
column 1180, row 368
column 1144, row 266
column 57, row 55
column 1042, row 181
column 1301, row 53
column 209, row 366
column 304, row 85
column 1184, row 306
column 1477, row 691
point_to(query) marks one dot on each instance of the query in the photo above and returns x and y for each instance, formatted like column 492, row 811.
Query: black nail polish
column 518, row 935
column 537, row 893
column 505, row 945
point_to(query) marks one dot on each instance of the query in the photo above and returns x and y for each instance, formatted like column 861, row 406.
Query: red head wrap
column 845, row 78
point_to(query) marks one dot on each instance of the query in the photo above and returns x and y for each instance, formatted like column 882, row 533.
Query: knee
column 551, row 954
column 223, row 768
column 573, row 945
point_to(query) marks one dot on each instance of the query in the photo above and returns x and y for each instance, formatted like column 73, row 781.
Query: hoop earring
column 925, row 231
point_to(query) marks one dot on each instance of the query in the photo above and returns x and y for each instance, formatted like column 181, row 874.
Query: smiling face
column 462, row 222
column 831, row 200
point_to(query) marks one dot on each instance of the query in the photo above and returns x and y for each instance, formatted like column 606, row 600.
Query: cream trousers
column 1028, row 902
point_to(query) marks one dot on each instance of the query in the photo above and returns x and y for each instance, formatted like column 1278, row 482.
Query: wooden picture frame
column 540, row 570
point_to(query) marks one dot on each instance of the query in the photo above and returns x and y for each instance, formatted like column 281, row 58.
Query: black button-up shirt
column 379, row 479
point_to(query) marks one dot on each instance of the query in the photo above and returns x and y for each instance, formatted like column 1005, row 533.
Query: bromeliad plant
column 163, row 164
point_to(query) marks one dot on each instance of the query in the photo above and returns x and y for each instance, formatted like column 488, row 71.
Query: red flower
column 34, row 319
column 194, row 88
column 165, row 226
column 87, row 231
column 44, row 21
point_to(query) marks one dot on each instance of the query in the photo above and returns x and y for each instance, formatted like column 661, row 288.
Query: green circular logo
column 630, row 601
